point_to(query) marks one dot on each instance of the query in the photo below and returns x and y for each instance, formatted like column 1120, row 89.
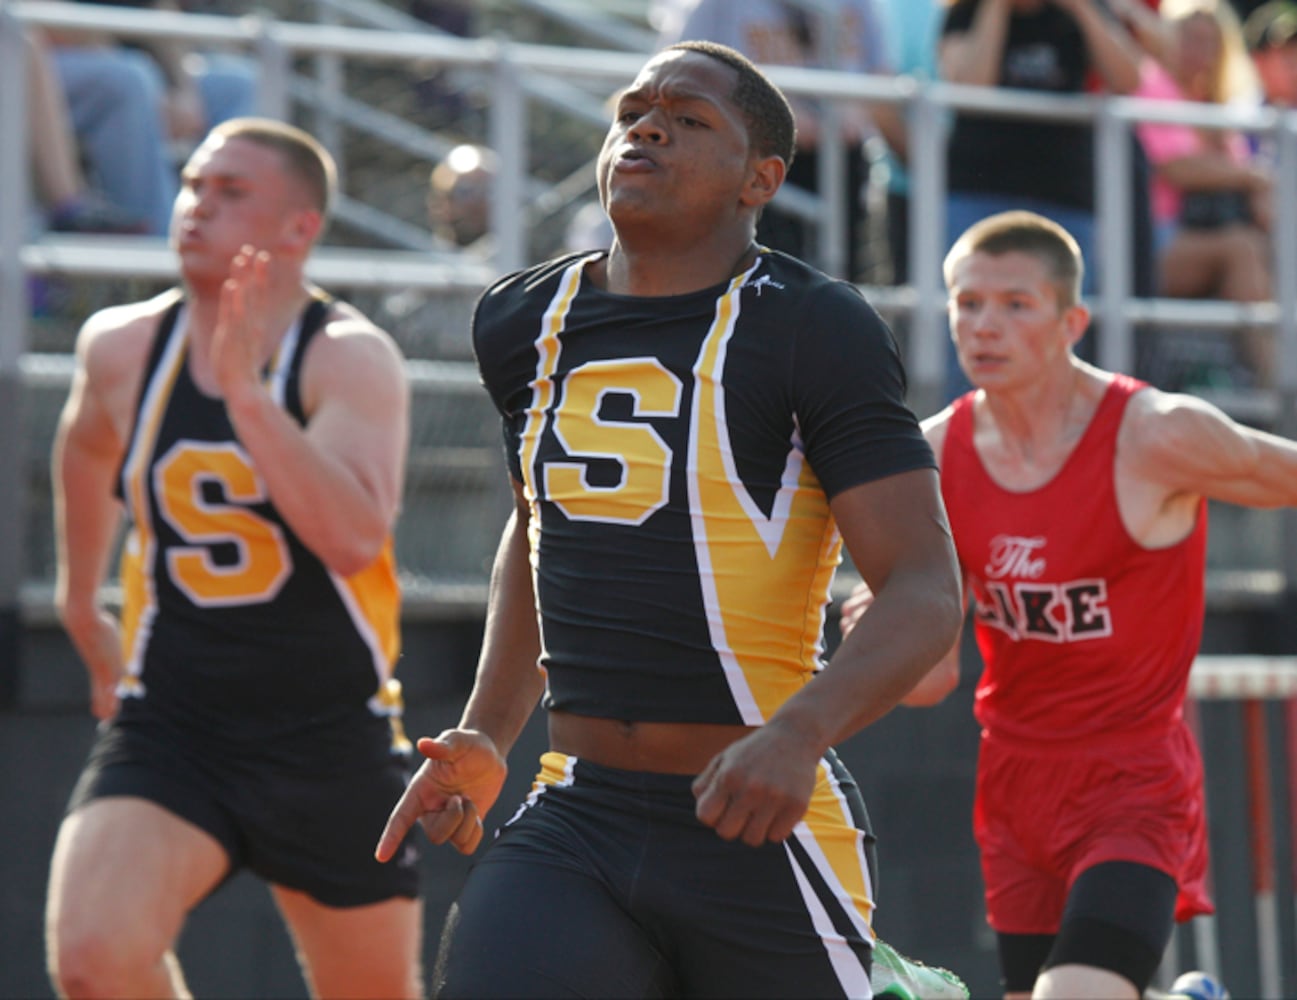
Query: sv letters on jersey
column 1013, row 598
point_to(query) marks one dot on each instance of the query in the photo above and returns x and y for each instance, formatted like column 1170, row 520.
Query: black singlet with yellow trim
column 679, row 454
column 229, row 622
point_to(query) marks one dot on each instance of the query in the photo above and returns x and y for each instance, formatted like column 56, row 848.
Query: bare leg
column 1247, row 279
column 1067, row 982
column 361, row 951
column 1231, row 263
column 125, row 874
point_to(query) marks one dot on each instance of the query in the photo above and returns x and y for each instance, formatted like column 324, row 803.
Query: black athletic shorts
column 605, row 884
column 307, row 827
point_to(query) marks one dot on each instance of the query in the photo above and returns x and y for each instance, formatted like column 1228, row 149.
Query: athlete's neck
column 662, row 271
column 275, row 317
column 279, row 307
column 1026, row 435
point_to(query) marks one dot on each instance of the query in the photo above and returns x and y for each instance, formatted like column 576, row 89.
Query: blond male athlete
column 1077, row 498
column 254, row 432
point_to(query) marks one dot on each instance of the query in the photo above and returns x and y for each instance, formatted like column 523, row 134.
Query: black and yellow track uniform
column 258, row 696
column 679, row 454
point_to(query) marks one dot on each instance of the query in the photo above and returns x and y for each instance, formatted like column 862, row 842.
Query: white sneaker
column 1197, row 986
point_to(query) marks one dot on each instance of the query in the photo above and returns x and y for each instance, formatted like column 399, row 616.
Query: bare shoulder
column 350, row 334
column 1158, row 424
column 934, row 429
column 113, row 343
column 352, row 353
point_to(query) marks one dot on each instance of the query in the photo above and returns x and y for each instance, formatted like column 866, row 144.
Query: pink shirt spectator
column 1166, row 142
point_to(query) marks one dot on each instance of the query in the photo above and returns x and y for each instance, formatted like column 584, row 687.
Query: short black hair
column 771, row 127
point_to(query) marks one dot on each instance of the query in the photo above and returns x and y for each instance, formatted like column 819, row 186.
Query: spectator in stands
column 431, row 323
column 459, row 195
column 70, row 205
column 1051, row 47
column 1271, row 36
column 778, row 32
column 1270, row 33
column 912, row 28
column 997, row 164
column 446, row 93
column 137, row 108
column 1211, row 199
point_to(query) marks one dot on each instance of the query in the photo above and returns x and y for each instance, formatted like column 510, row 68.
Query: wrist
column 802, row 727
column 245, row 400
column 487, row 740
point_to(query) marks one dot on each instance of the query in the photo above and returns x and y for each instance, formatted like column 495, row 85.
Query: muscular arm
column 1189, row 448
column 465, row 770
column 88, row 449
column 758, row 788
column 899, row 540
column 943, row 678
column 509, row 681
column 337, row 481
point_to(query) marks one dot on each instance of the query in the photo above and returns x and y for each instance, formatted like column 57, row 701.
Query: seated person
column 1211, row 202
column 133, row 106
column 69, row 204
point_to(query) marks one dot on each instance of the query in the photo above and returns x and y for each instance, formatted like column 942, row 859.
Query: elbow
column 940, row 682
column 347, row 564
column 350, row 537
column 351, row 552
column 72, row 616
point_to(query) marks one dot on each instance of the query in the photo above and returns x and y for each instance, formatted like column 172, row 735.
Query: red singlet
column 1087, row 639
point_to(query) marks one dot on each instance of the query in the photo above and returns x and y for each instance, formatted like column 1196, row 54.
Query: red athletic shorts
column 1041, row 818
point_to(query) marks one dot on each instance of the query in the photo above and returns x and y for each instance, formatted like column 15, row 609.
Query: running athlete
column 694, row 424
column 255, row 432
column 1078, row 502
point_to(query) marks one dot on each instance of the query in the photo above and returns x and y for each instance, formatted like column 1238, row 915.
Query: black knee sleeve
column 1089, row 941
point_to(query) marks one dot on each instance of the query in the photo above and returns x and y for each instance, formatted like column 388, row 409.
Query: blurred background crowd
column 111, row 118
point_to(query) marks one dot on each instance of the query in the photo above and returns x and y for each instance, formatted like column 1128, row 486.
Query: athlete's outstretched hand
column 449, row 794
column 758, row 788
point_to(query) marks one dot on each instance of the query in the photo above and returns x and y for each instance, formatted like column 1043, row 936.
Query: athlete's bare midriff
column 662, row 747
